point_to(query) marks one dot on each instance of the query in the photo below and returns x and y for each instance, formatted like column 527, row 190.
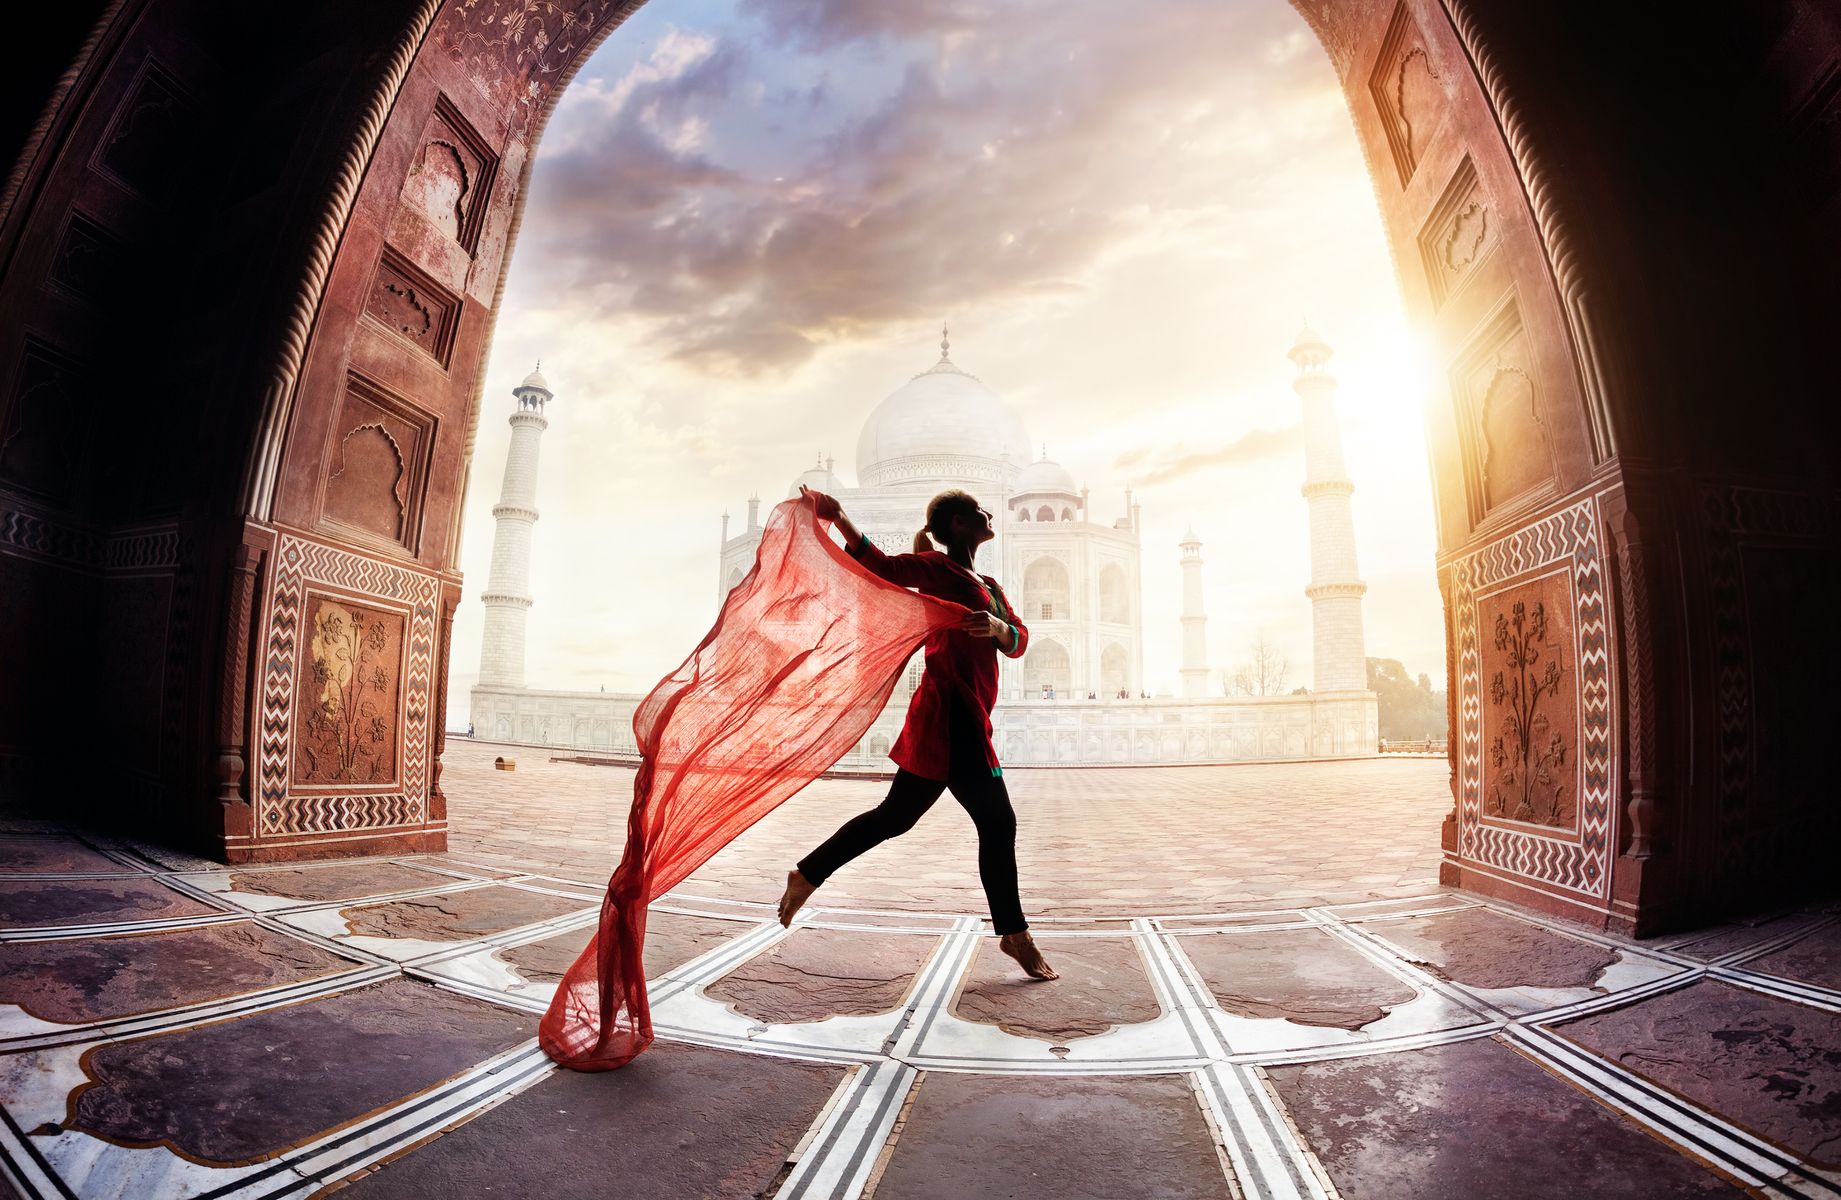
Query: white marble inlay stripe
column 1690, row 1128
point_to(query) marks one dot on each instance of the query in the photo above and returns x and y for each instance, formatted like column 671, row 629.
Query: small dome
column 819, row 478
column 535, row 379
column 1044, row 476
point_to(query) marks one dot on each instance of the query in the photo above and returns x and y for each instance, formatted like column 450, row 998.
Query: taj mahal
column 1078, row 696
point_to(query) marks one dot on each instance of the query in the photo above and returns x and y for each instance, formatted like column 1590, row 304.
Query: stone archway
column 1601, row 497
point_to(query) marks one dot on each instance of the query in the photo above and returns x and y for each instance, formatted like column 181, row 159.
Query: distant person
column 946, row 742
column 469, row 729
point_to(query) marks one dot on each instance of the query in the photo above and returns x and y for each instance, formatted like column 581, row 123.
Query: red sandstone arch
column 1625, row 267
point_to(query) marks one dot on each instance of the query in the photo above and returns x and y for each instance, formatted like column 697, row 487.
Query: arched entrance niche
column 298, row 227
column 1047, row 594
column 1046, row 668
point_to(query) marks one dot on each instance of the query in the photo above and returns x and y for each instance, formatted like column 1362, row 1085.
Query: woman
column 946, row 742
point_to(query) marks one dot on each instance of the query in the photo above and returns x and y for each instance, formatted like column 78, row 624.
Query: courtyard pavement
column 1264, row 993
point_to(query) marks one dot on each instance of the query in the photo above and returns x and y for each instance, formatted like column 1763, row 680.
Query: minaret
column 1195, row 622
column 508, row 586
column 1338, row 655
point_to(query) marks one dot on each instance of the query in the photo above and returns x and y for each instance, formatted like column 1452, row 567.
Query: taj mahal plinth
column 1079, row 696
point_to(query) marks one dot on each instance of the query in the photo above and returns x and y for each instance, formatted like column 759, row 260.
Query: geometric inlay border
column 298, row 564
column 1578, row 864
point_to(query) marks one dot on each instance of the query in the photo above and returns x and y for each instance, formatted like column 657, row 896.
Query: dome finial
column 945, row 344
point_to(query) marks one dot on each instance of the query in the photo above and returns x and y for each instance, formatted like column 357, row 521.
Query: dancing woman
column 946, row 742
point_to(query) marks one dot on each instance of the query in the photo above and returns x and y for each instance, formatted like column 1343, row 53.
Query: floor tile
column 1485, row 949
column 30, row 904
column 1103, row 985
column 245, row 1088
column 1475, row 1119
column 812, row 974
column 77, row 981
column 678, row 1122
column 1304, row 975
column 1765, row 1064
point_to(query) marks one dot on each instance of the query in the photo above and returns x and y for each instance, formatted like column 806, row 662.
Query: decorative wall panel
column 521, row 49
column 1407, row 92
column 378, row 465
column 347, row 694
column 1507, row 453
column 1459, row 234
column 143, row 137
column 1541, row 818
column 413, row 306
column 46, row 424
column 1531, row 718
column 89, row 260
column 450, row 179
column 311, row 584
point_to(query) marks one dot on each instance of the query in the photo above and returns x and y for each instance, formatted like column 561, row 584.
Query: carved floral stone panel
column 519, row 50
column 1530, row 714
column 1535, row 707
column 308, row 573
column 347, row 694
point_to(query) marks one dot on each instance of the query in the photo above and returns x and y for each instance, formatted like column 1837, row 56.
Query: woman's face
column 973, row 530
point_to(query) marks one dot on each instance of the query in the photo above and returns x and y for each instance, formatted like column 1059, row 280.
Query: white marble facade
column 1078, row 697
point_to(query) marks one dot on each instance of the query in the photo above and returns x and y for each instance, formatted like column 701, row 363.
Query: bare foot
column 1022, row 948
column 798, row 891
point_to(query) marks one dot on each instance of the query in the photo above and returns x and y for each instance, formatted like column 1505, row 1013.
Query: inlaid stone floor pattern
column 170, row 1027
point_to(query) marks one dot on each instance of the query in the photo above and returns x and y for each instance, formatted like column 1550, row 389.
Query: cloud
column 826, row 24
column 1174, row 462
column 997, row 153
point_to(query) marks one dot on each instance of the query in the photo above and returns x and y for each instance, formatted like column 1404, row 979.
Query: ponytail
column 922, row 543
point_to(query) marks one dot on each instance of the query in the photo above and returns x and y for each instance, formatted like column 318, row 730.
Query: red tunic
column 961, row 669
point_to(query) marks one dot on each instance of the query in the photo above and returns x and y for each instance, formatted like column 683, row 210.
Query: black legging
column 987, row 800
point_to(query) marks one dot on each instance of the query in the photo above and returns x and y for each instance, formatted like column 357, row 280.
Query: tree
column 1408, row 709
column 1265, row 675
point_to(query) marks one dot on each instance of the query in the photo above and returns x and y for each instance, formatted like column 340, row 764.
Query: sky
column 748, row 220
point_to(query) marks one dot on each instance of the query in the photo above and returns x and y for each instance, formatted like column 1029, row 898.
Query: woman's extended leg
column 909, row 797
column 988, row 802
column 987, row 799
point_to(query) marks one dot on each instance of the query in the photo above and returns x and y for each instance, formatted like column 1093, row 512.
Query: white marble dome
column 940, row 415
column 1045, row 477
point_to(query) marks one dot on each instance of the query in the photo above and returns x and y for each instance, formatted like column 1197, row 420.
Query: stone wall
column 1161, row 732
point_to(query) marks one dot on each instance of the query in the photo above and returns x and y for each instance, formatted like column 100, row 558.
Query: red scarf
column 803, row 655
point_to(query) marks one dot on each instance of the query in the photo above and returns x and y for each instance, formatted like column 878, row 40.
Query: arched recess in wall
column 1046, row 664
column 1047, row 595
column 1114, row 669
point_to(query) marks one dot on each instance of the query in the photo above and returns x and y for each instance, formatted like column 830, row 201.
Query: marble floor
column 1264, row 993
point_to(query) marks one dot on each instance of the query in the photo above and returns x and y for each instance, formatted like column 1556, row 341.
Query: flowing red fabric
column 802, row 657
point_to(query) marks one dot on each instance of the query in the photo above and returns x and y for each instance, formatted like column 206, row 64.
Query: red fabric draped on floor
column 802, row 657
